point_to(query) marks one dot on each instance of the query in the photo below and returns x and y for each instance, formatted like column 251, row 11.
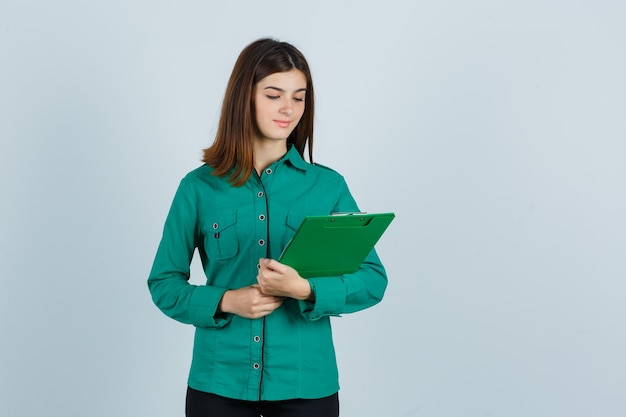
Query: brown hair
column 232, row 151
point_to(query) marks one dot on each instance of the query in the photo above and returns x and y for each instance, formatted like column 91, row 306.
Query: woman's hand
column 281, row 280
column 249, row 302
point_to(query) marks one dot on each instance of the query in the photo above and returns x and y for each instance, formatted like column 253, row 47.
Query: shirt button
column 262, row 217
column 257, row 339
column 261, row 242
column 268, row 171
column 256, row 366
column 260, row 194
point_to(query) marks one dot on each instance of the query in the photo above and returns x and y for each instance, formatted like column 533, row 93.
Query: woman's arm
column 169, row 278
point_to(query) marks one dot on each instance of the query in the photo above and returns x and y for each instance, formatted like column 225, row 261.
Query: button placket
column 256, row 352
column 262, row 234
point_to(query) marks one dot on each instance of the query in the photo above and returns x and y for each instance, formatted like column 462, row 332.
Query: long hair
column 232, row 151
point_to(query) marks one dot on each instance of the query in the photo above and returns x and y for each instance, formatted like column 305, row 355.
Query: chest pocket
column 293, row 221
column 220, row 235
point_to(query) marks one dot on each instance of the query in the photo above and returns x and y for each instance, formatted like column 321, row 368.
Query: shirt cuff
column 330, row 298
column 203, row 307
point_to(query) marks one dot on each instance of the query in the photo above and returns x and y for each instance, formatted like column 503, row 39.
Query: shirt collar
column 295, row 159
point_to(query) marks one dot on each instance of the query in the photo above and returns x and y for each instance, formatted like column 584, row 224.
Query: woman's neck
column 267, row 152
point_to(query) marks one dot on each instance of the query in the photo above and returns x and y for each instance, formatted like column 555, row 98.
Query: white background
column 494, row 129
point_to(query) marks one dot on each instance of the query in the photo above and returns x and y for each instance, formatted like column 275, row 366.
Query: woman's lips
column 282, row 123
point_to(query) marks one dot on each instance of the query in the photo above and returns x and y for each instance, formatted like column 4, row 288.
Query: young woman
column 263, row 343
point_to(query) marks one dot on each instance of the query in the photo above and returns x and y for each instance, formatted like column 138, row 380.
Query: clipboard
column 334, row 245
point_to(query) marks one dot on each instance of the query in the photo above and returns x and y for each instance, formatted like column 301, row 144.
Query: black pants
column 202, row 404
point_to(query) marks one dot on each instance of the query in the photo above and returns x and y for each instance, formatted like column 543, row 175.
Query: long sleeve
column 169, row 278
column 351, row 292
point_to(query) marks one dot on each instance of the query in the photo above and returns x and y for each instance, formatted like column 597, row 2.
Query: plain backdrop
column 495, row 130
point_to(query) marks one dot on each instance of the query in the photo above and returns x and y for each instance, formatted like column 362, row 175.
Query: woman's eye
column 298, row 99
column 273, row 97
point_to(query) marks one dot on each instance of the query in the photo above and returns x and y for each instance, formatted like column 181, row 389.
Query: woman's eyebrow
column 270, row 87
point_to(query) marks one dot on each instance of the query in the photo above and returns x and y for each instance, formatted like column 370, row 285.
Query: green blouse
column 289, row 353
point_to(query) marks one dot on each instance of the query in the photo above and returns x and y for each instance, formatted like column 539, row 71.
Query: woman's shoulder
column 326, row 171
column 200, row 171
column 200, row 175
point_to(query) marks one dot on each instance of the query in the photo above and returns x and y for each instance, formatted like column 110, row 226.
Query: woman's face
column 279, row 104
